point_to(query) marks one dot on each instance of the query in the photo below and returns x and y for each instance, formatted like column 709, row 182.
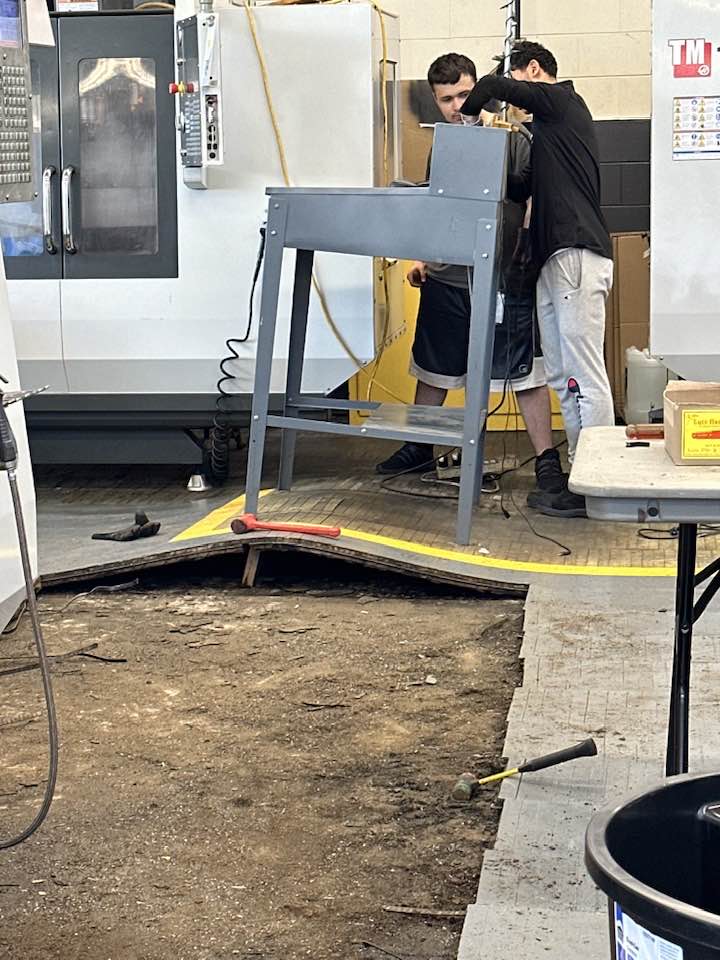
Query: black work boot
column 549, row 479
column 410, row 458
column 549, row 475
column 551, row 496
column 565, row 504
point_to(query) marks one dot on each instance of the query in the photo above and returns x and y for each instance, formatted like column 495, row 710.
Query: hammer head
column 243, row 524
column 465, row 788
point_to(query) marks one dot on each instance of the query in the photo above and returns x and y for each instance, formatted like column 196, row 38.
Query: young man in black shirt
column 439, row 353
column 570, row 242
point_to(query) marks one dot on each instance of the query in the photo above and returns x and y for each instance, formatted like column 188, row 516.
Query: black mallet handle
column 585, row 749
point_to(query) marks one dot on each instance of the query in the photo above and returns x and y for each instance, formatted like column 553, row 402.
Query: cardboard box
column 628, row 308
column 692, row 422
column 416, row 107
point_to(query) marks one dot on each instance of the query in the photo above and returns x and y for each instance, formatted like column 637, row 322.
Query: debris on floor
column 252, row 773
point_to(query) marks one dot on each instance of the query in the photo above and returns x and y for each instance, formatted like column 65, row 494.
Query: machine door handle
column 66, row 202
column 48, row 238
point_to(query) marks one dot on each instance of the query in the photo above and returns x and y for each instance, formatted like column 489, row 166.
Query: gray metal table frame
column 633, row 483
column 455, row 219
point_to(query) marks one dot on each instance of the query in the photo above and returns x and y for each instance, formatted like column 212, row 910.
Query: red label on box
column 691, row 58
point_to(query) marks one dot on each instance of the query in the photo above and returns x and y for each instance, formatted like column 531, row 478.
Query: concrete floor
column 596, row 663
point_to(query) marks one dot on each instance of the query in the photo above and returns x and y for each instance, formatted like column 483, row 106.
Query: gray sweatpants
column 571, row 294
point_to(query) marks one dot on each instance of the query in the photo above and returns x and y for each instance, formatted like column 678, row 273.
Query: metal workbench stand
column 455, row 219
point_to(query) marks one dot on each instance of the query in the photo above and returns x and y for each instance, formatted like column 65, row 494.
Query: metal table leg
column 677, row 744
column 296, row 355
column 477, row 389
column 266, row 341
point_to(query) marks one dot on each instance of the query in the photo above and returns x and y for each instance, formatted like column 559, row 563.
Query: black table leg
column 677, row 745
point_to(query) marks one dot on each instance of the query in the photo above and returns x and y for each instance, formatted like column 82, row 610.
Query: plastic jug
column 646, row 378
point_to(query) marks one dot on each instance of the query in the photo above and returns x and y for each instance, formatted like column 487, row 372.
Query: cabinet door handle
column 47, row 208
column 66, row 202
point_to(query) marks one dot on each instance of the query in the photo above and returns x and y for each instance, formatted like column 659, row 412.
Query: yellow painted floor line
column 217, row 523
column 497, row 563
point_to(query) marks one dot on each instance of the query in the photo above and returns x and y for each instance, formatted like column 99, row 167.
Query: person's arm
column 543, row 100
column 519, row 176
column 519, row 185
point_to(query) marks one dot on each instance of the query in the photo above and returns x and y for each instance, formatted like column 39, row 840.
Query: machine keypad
column 14, row 126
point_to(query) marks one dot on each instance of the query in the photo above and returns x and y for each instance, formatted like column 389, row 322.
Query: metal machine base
column 126, row 428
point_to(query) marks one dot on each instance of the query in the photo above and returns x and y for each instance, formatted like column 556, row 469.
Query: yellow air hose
column 288, row 183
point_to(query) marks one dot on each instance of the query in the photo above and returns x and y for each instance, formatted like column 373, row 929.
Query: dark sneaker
column 564, row 504
column 410, row 458
column 549, row 474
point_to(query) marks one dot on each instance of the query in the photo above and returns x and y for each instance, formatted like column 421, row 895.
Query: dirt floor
column 254, row 774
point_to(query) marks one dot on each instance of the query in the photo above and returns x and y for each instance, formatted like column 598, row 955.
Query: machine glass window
column 118, row 156
column 21, row 226
column 10, row 30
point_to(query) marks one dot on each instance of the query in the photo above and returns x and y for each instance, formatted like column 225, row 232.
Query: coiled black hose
column 219, row 461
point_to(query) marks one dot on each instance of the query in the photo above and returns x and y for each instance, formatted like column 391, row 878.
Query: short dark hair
column 449, row 68
column 526, row 50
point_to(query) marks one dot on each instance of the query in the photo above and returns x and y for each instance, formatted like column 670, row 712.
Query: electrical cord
column 490, row 486
column 416, row 493
column 15, row 622
column 565, row 551
column 100, row 588
column 220, row 433
column 337, row 333
column 672, row 533
column 490, row 482
column 8, row 464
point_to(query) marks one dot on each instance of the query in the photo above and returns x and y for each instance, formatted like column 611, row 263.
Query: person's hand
column 417, row 273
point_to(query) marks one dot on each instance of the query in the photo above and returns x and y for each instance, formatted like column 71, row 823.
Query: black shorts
column 440, row 349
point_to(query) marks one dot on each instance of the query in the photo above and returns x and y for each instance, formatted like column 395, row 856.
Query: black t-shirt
column 564, row 174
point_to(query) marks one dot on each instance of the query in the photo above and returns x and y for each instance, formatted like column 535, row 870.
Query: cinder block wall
column 604, row 45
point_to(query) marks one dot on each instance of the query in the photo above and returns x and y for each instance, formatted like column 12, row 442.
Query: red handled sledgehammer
column 247, row 523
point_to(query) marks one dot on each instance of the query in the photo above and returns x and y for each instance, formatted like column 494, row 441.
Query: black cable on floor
column 417, row 493
column 565, row 550
column 672, row 533
column 15, row 622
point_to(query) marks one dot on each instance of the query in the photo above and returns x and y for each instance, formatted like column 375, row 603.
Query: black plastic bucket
column 657, row 857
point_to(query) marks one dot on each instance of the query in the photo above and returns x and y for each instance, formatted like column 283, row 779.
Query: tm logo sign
column 691, row 58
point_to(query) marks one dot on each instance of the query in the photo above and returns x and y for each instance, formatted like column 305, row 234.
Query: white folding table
column 628, row 481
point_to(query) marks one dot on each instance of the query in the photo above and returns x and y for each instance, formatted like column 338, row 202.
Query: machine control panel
column 199, row 95
column 15, row 105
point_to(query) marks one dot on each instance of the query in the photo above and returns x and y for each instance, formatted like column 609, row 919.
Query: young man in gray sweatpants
column 570, row 243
